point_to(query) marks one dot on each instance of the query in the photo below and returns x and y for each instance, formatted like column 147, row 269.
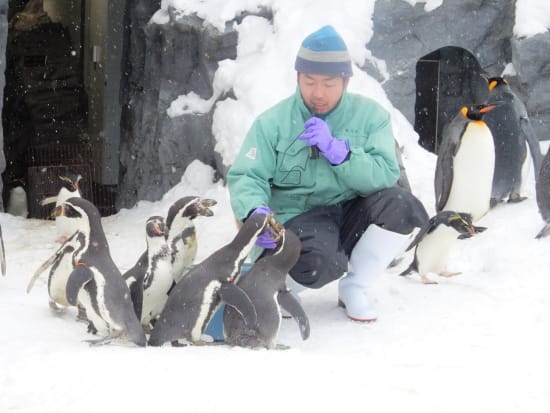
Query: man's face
column 321, row 93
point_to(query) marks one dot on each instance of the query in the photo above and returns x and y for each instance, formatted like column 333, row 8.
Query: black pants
column 328, row 234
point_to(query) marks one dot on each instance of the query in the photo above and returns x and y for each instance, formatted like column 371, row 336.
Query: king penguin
column 195, row 298
column 543, row 194
column 181, row 234
column 95, row 282
column 465, row 164
column 69, row 188
column 513, row 134
column 150, row 279
column 265, row 285
column 433, row 244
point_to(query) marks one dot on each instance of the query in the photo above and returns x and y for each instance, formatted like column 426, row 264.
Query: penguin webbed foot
column 427, row 280
column 56, row 309
column 515, row 198
column 100, row 341
column 448, row 274
column 91, row 328
column 280, row 346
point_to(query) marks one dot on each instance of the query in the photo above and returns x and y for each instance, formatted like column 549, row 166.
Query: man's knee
column 401, row 211
column 317, row 270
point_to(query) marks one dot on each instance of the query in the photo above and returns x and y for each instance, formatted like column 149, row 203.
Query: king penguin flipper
column 444, row 170
column 293, row 306
column 532, row 142
column 235, row 297
column 79, row 276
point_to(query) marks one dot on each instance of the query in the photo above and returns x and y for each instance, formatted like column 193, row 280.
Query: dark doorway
column 50, row 115
column 446, row 80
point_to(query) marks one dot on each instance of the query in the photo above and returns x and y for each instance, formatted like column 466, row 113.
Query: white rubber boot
column 369, row 258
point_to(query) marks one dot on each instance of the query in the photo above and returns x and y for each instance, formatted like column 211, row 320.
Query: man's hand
column 264, row 240
column 317, row 133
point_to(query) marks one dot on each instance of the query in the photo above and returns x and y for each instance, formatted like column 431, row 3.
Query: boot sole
column 363, row 320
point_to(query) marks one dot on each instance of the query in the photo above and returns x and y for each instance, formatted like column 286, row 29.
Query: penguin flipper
column 79, row 276
column 293, row 306
column 235, row 297
column 136, row 294
column 139, row 267
column 412, row 268
column 450, row 144
column 544, row 231
column 532, row 142
column 48, row 200
column 42, row 268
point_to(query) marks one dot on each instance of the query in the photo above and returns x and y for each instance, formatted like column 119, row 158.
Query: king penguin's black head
column 476, row 112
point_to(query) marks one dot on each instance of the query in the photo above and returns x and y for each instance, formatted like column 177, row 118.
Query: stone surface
column 3, row 38
column 163, row 61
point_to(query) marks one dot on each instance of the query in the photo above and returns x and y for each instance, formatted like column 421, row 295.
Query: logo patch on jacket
column 251, row 154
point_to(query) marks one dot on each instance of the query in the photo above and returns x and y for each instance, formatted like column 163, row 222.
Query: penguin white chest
column 433, row 250
column 473, row 168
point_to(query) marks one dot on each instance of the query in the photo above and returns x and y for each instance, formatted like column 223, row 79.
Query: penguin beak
column 471, row 230
column 275, row 228
column 488, row 108
column 159, row 230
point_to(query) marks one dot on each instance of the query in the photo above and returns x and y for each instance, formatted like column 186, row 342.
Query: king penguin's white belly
column 433, row 251
column 473, row 168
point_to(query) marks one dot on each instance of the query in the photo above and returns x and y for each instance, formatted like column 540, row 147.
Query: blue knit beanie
column 324, row 52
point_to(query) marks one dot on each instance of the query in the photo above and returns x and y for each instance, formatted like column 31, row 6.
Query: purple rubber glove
column 318, row 133
column 264, row 240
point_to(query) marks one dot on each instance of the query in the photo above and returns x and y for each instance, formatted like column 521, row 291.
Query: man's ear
column 346, row 82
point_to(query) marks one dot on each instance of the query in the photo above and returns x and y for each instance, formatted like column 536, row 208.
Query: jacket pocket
column 293, row 165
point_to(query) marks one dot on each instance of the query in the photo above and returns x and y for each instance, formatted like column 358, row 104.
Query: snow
column 477, row 342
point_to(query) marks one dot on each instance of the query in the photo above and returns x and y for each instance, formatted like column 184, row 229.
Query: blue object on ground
column 215, row 326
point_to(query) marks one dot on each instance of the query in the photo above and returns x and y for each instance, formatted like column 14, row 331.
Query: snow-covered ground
column 478, row 342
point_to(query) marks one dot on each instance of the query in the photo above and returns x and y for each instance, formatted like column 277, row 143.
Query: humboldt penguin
column 196, row 297
column 181, row 235
column 150, row 279
column 64, row 226
column 513, row 134
column 433, row 244
column 543, row 194
column 61, row 265
column 265, row 285
column 95, row 282
column 465, row 164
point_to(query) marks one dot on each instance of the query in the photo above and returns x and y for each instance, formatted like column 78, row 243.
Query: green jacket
column 274, row 168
